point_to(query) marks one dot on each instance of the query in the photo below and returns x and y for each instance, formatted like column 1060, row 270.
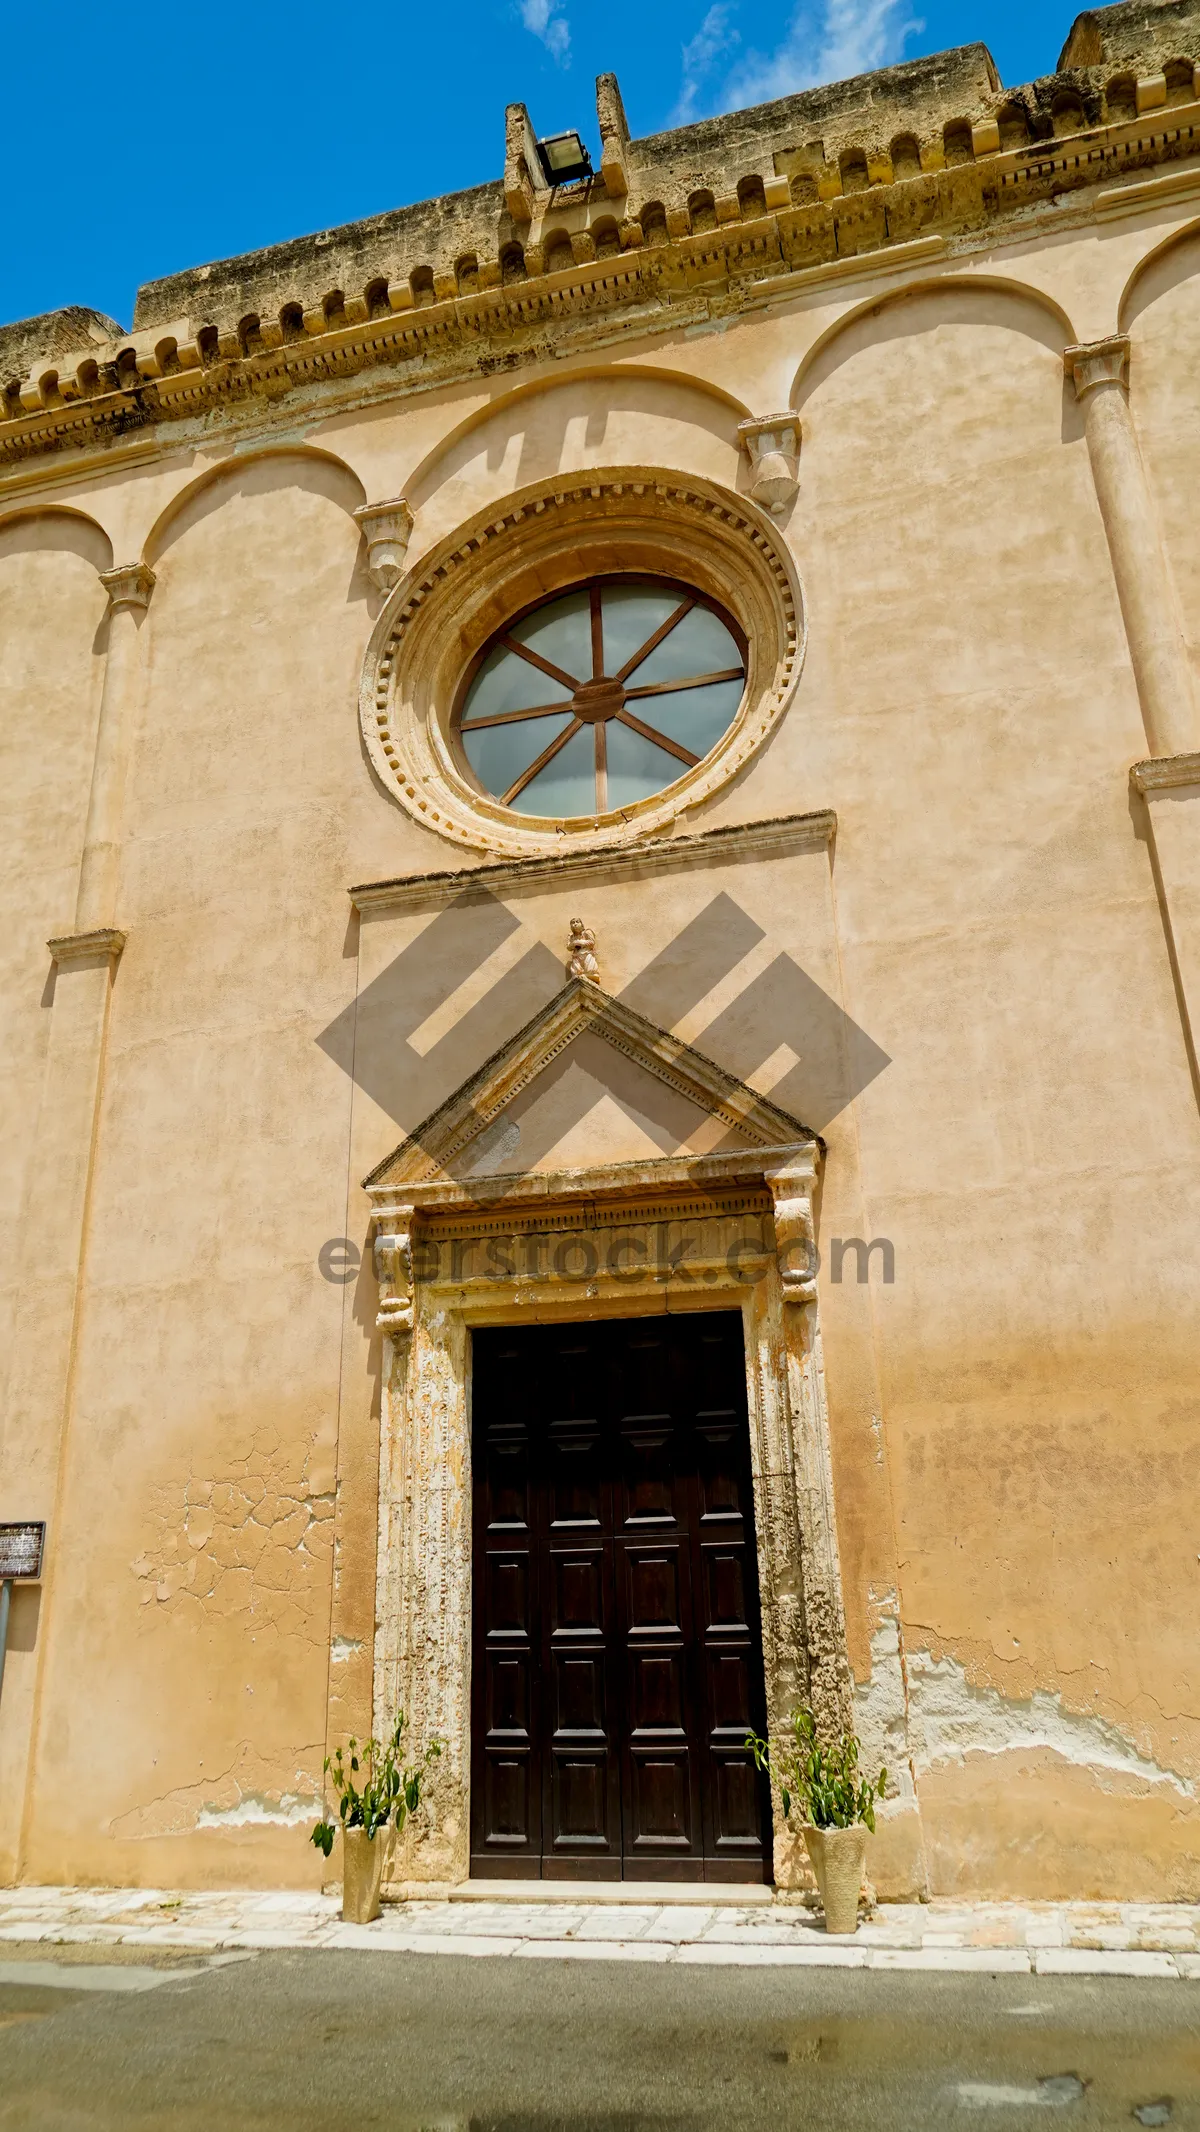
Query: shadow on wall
column 56, row 532
column 818, row 1060
column 24, row 1617
column 1174, row 262
column 911, row 313
column 267, row 474
column 591, row 419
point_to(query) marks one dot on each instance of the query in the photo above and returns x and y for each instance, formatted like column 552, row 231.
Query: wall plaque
column 21, row 1550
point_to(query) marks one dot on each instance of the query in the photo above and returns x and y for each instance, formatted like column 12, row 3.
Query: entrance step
column 716, row 1894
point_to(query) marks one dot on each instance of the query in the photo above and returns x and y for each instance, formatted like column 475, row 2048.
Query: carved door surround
column 733, row 1228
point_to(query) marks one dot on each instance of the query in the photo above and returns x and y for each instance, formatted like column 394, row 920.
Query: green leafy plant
column 385, row 1791
column 823, row 1780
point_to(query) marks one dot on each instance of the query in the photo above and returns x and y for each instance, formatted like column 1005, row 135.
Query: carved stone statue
column 581, row 950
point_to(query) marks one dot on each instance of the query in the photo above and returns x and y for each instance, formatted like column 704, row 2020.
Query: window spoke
column 541, row 710
column 649, row 732
column 546, row 756
column 670, row 688
column 652, row 643
column 535, row 659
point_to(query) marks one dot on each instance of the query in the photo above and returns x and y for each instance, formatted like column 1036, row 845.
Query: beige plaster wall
column 52, row 638
column 1013, row 1420
column 1033, row 1151
column 186, row 1664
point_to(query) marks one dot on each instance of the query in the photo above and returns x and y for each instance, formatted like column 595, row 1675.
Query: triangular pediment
column 588, row 1084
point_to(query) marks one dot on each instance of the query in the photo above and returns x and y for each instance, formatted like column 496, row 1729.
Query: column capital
column 387, row 528
column 129, row 585
column 1098, row 363
column 104, row 942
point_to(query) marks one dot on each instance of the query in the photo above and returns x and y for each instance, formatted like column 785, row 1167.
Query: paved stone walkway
column 1056, row 1939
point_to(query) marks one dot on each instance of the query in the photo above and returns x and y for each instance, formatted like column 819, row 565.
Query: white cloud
column 700, row 55
column 543, row 19
column 826, row 40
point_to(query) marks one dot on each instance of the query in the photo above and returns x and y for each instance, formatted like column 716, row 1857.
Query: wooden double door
column 617, row 1652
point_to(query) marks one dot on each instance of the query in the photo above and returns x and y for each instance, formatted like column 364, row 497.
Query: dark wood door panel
column 724, row 1586
column 509, row 1805
column 618, row 1663
column 509, row 1612
column 507, row 1696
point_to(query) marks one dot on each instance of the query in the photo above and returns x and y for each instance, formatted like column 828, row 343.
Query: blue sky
column 135, row 144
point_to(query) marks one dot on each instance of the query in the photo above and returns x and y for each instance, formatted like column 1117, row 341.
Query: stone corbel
column 393, row 1271
column 792, row 1187
column 387, row 528
column 774, row 448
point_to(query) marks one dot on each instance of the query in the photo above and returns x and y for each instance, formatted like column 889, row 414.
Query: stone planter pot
column 838, row 1856
column 362, row 1872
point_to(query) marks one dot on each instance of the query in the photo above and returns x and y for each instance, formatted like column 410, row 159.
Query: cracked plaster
column 252, row 1537
column 246, row 1794
column 950, row 1718
column 918, row 1710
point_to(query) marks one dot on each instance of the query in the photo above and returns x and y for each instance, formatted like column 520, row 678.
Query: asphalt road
column 285, row 2042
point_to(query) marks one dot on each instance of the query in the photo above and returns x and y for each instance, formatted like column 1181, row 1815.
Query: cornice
column 618, row 1180
column 157, row 380
column 741, row 840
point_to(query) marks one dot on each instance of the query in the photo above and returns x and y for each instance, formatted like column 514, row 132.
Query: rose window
column 600, row 697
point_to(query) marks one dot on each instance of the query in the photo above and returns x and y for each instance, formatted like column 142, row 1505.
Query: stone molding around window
column 542, row 539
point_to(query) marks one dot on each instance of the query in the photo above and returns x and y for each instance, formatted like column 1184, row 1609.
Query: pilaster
column 1100, row 372
column 1169, row 781
column 128, row 589
column 1170, row 788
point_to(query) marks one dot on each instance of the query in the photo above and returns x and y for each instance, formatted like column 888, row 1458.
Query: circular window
column 600, row 697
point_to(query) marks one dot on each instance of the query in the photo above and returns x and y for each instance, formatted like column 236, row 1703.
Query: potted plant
column 838, row 1808
column 388, row 1794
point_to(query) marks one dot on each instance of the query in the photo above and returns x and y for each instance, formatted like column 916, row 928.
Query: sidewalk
column 1049, row 1939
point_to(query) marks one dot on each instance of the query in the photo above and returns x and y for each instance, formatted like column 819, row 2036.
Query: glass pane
column 700, row 644
column 696, row 717
column 506, row 682
column 631, row 614
column 635, row 767
column 500, row 753
column 568, row 784
column 561, row 631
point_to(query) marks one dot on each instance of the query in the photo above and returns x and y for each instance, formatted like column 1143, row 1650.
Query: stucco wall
column 1014, row 1419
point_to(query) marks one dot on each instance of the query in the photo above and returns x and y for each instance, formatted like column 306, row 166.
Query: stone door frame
column 708, row 1232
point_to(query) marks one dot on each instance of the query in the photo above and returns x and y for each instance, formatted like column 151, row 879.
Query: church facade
column 601, row 984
